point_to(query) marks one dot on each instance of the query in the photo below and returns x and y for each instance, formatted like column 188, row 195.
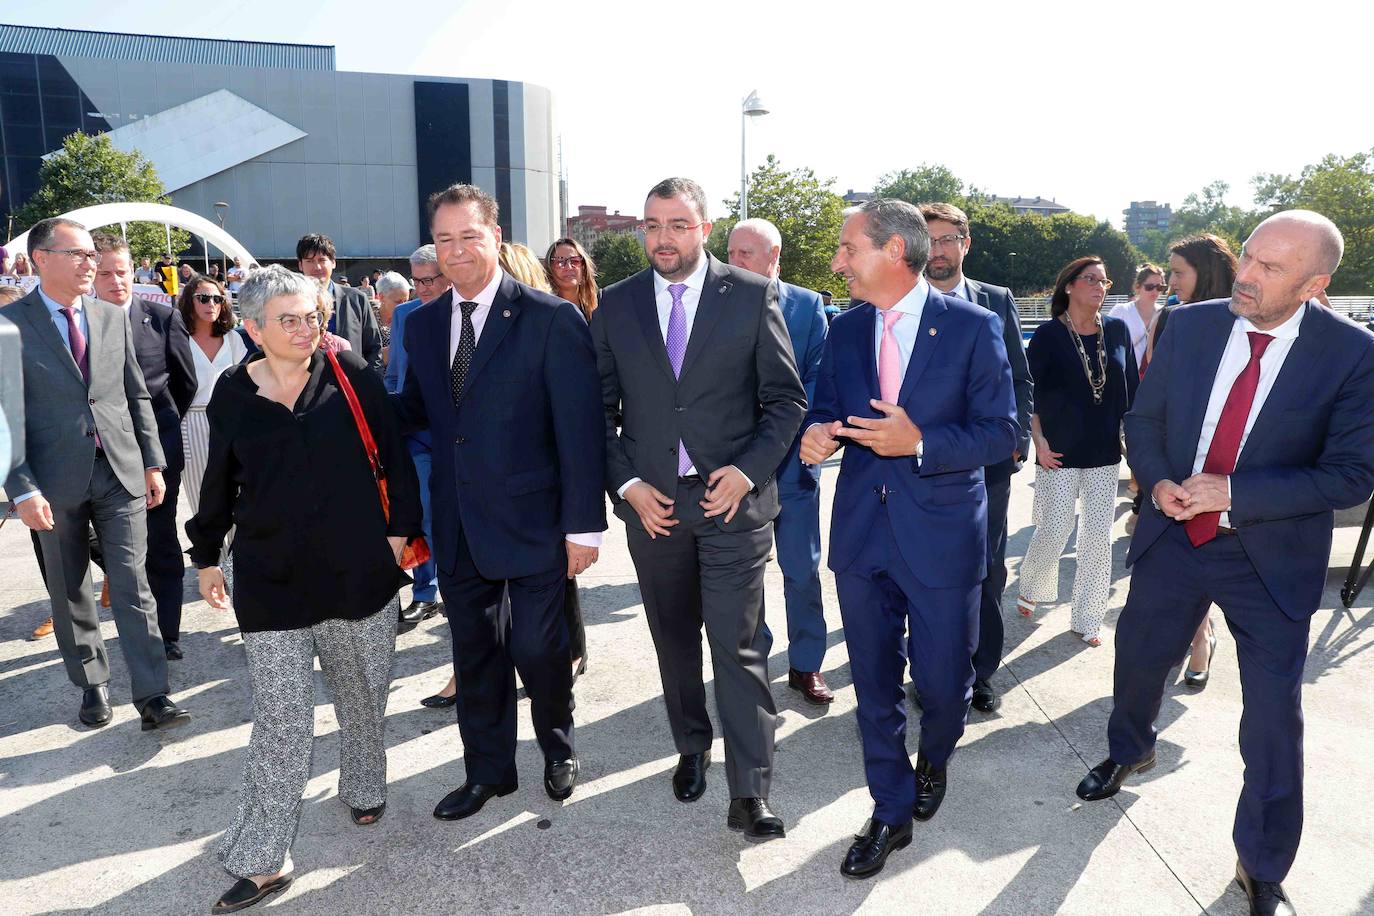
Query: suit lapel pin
column 506, row 313
column 724, row 288
column 932, row 332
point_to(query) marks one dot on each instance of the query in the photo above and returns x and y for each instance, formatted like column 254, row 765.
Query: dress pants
column 426, row 575
column 166, row 566
column 887, row 614
column 797, row 533
column 120, row 521
column 990, row 628
column 1172, row 586
column 491, row 641
column 355, row 659
column 701, row 575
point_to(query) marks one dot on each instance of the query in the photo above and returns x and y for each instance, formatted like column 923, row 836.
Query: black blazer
column 355, row 322
column 1088, row 435
column 163, row 350
column 739, row 400
column 999, row 301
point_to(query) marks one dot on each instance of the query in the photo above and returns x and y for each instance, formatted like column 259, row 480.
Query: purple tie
column 677, row 349
column 77, row 341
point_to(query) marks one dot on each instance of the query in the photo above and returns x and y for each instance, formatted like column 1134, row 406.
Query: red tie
column 1225, row 447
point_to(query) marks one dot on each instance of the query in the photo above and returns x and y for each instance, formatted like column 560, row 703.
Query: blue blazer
column 397, row 359
column 958, row 390
column 804, row 313
column 1311, row 450
column 519, row 462
column 999, row 301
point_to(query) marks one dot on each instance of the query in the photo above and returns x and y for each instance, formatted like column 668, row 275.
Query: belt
column 688, row 480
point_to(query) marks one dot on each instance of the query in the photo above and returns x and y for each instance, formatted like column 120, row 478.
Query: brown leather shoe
column 44, row 630
column 811, row 685
column 105, row 593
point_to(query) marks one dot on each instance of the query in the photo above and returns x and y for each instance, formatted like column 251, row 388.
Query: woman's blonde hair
column 520, row 263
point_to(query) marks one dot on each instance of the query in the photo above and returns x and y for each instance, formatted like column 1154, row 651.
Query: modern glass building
column 291, row 144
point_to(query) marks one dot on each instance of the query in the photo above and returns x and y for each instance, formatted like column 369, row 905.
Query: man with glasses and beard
column 695, row 355
column 949, row 245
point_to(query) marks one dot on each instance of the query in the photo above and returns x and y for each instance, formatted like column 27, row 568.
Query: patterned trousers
column 1057, row 497
column 355, row 658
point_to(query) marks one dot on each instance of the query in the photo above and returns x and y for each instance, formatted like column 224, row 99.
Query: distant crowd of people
column 461, row 429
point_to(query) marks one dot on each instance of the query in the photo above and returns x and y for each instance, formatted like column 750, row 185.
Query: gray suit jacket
column 355, row 322
column 738, row 401
column 63, row 413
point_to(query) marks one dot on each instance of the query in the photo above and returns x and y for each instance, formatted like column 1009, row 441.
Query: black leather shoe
column 560, row 776
column 95, row 707
column 160, row 712
column 468, row 799
column 755, row 818
column 1267, row 898
column 1198, row 679
column 871, row 848
column 1107, row 778
column 245, row 893
column 173, row 650
column 930, row 789
column 366, row 817
column 985, row 698
column 419, row 611
column 689, row 779
column 439, row 701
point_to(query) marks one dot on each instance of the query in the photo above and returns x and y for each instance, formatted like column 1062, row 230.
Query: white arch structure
column 124, row 213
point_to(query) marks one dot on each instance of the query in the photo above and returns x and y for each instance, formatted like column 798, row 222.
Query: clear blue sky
column 1093, row 104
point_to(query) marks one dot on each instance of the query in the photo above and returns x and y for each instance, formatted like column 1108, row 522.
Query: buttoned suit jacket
column 163, row 350
column 804, row 313
column 999, row 301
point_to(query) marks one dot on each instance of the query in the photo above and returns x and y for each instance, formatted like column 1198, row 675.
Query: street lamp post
column 751, row 107
column 221, row 208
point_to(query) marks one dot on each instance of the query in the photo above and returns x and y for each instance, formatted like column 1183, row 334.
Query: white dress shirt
column 1233, row 361
column 1140, row 331
column 479, row 321
column 231, row 352
column 913, row 305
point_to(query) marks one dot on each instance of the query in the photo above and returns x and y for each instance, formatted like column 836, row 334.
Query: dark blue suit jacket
column 804, row 313
column 163, row 350
column 1311, row 450
column 958, row 390
column 519, row 462
column 999, row 301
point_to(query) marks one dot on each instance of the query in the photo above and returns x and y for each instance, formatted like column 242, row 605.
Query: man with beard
column 949, row 245
column 694, row 354
column 1243, row 482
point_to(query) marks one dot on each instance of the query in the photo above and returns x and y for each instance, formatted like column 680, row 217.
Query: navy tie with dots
column 462, row 357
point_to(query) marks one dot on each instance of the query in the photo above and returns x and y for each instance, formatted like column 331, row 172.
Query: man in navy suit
column 949, row 244
column 163, row 350
column 916, row 385
column 1254, row 423
column 756, row 245
column 505, row 379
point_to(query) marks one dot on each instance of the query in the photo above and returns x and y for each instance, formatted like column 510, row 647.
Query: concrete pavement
column 118, row 821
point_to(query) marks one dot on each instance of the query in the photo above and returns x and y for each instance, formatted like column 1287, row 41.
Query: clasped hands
column 892, row 436
column 725, row 489
column 1198, row 495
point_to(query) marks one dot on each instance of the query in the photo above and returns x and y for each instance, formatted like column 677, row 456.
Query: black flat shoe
column 173, row 650
column 689, row 779
column 1198, row 679
column 559, row 777
column 439, row 701
column 1267, row 898
column 366, row 817
column 756, row 819
column 1107, row 778
column 95, row 707
column 869, row 853
column 985, row 698
column 468, row 799
column 930, row 789
column 160, row 712
column 417, row 612
column 245, row 893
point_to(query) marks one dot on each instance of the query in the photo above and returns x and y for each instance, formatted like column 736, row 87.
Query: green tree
column 1342, row 189
column 926, row 184
column 618, row 255
column 807, row 213
column 1205, row 211
column 89, row 170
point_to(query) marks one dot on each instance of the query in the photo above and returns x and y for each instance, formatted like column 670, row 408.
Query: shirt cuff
column 23, row 496
column 586, row 539
column 626, row 485
column 920, row 452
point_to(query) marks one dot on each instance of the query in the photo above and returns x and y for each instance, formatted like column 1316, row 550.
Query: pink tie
column 890, row 359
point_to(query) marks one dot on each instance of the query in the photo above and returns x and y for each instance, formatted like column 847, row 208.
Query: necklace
column 1098, row 384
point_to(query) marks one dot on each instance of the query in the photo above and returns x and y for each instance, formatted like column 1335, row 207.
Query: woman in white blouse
column 1139, row 313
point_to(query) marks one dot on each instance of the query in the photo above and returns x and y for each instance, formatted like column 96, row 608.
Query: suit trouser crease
column 1058, row 494
column 355, row 660
column 492, row 640
column 166, row 566
column 890, row 616
column 797, row 533
column 991, row 629
column 701, row 576
column 1172, row 587
column 120, row 522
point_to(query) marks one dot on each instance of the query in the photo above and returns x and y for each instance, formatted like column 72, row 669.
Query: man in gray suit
column 353, row 319
column 93, row 458
column 695, row 357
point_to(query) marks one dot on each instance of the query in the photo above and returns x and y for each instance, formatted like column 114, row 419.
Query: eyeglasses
column 76, row 254
column 206, row 298
column 292, row 323
column 1151, row 287
column 677, row 227
column 1097, row 281
column 426, row 282
column 953, row 239
column 576, row 260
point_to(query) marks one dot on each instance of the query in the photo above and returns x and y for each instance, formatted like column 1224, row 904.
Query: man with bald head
column 1255, row 422
column 756, row 245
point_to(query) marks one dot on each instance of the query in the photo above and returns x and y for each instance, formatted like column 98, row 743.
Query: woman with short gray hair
column 317, row 565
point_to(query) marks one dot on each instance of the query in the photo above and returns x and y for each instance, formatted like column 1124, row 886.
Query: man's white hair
column 392, row 282
column 763, row 227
